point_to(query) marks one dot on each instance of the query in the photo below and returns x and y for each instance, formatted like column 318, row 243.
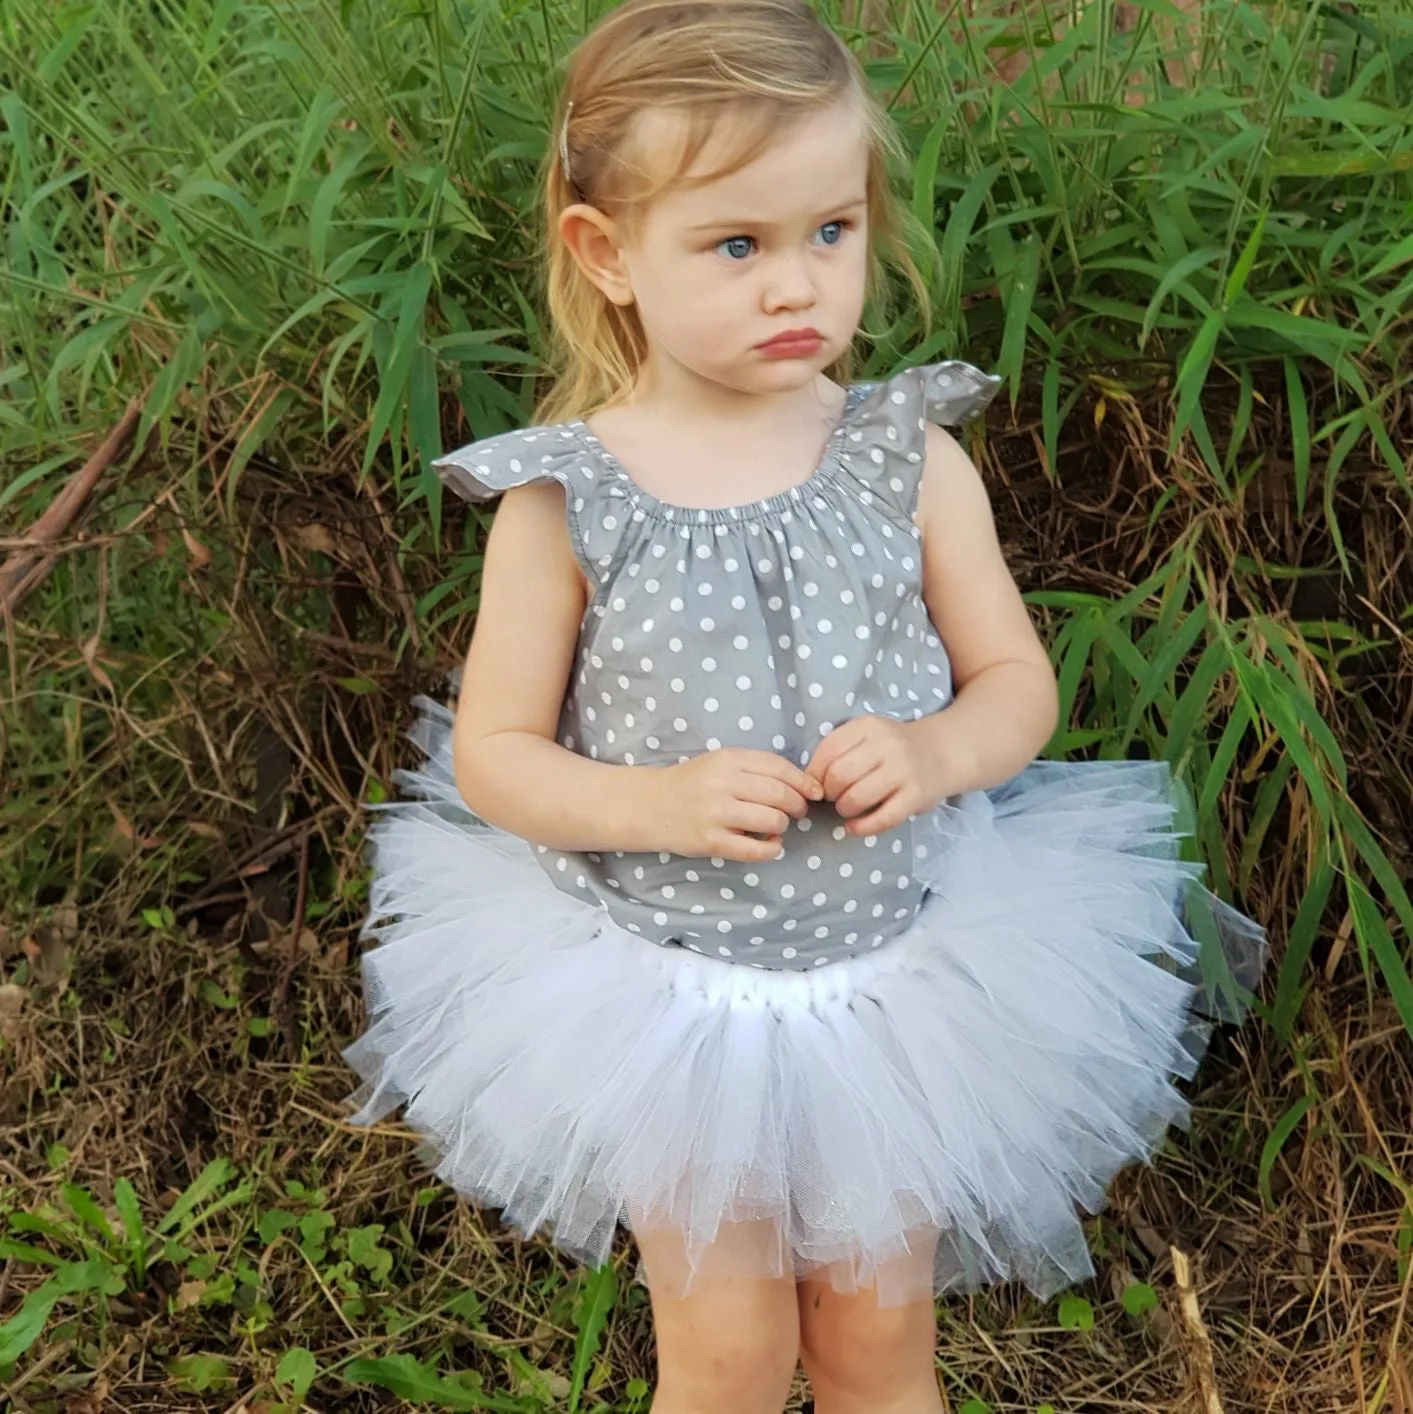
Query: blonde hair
column 763, row 64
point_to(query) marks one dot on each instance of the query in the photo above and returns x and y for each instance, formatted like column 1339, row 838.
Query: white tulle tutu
column 963, row 1091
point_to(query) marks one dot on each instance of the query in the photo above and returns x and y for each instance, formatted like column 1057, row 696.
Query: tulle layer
column 932, row 1115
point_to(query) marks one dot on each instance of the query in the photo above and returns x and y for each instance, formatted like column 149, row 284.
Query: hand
column 878, row 772
column 733, row 804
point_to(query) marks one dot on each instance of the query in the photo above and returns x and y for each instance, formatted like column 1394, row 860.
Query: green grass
column 296, row 230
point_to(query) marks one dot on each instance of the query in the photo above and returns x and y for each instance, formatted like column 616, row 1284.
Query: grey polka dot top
column 760, row 625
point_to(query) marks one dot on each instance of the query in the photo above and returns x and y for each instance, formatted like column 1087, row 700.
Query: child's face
column 754, row 281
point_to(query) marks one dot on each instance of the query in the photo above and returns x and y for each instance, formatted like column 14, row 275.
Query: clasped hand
column 736, row 803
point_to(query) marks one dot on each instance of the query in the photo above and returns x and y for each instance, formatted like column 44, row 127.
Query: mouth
column 793, row 343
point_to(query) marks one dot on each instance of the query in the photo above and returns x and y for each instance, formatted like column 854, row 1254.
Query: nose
column 790, row 284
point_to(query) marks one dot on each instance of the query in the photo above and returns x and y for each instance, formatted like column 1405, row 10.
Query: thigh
column 727, row 1336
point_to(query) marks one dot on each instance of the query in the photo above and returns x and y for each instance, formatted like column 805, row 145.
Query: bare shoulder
column 952, row 499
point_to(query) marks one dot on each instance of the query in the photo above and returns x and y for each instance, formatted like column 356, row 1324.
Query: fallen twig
column 21, row 572
column 1198, row 1342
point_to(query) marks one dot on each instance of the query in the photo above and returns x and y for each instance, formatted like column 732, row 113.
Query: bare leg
column 732, row 1342
column 863, row 1358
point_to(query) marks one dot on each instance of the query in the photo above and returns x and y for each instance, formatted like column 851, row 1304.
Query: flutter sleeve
column 885, row 446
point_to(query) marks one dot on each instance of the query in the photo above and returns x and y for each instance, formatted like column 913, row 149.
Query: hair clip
column 564, row 144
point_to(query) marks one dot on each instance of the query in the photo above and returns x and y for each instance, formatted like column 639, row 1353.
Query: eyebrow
column 751, row 222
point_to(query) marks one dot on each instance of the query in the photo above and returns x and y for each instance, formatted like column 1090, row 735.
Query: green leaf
column 80, row 1203
column 597, row 1294
column 1172, row 277
column 1284, row 1127
column 297, row 1371
column 1139, row 1297
column 1236, row 281
column 1298, row 417
column 408, row 1378
column 273, row 1222
column 201, row 1372
column 1076, row 1313
column 1192, row 371
column 25, row 1326
column 1018, row 298
column 1299, row 943
column 1373, row 935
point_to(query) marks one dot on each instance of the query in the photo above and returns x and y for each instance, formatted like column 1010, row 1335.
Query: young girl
column 731, row 909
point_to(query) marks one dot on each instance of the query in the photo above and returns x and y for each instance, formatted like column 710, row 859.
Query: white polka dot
column 840, row 661
column 813, row 862
column 677, row 685
column 704, row 552
column 646, row 665
column 711, row 704
column 821, row 932
column 707, row 625
column 679, row 724
column 713, row 744
column 760, row 910
column 778, row 742
column 746, row 723
column 704, row 588
column 659, row 918
column 675, row 605
column 815, row 690
column 845, row 869
column 738, row 601
column 709, row 664
column 787, row 891
column 740, row 642
column 819, row 900
column 811, row 590
column 675, row 644
column 861, row 631
column 789, row 952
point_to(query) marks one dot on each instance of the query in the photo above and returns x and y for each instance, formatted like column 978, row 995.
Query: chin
column 785, row 375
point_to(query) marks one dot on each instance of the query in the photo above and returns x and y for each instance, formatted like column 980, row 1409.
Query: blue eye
column 831, row 233
column 736, row 247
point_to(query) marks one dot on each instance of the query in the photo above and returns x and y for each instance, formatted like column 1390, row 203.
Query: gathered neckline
column 644, row 500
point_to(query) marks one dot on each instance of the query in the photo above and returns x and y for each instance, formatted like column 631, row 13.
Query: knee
column 742, row 1358
column 851, row 1345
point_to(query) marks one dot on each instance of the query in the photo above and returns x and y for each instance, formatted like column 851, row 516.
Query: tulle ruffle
column 933, row 1115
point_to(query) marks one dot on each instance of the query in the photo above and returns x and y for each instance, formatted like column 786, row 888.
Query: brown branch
column 20, row 574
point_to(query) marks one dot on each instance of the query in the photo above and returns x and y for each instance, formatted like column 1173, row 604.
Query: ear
column 593, row 240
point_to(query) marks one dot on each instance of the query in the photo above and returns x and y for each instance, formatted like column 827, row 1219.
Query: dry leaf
column 189, row 1294
column 313, row 536
column 200, row 555
column 90, row 656
column 12, row 1001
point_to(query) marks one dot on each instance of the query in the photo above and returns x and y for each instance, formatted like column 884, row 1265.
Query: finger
column 755, row 819
column 747, row 849
column 865, row 794
column 843, row 738
column 849, row 769
column 777, row 768
column 887, row 815
column 770, row 790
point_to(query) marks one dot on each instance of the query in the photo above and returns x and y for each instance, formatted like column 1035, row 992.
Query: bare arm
column 1007, row 703
column 511, row 770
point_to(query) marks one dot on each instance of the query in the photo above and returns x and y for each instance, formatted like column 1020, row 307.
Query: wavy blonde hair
column 760, row 64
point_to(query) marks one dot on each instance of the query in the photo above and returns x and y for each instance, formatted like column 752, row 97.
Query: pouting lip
column 793, row 336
